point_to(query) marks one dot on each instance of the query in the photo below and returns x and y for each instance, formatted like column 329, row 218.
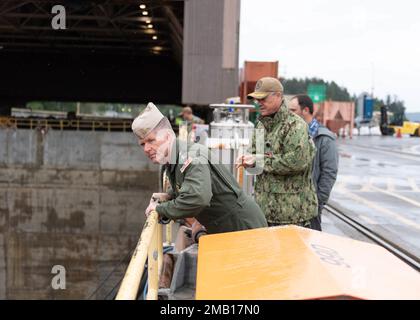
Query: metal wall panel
column 211, row 50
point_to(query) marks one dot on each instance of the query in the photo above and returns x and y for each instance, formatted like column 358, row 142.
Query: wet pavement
column 379, row 186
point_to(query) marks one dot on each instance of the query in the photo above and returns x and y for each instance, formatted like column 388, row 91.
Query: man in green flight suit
column 284, row 190
column 199, row 188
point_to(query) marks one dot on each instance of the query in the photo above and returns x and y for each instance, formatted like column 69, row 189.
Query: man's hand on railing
column 150, row 208
column 162, row 197
column 197, row 230
column 155, row 200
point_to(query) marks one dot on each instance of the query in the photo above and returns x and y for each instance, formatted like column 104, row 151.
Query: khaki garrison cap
column 264, row 87
column 146, row 121
column 185, row 110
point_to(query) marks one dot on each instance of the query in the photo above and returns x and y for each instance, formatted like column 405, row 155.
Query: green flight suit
column 284, row 190
column 209, row 193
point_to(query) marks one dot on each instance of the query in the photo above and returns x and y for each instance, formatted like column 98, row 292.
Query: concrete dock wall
column 69, row 198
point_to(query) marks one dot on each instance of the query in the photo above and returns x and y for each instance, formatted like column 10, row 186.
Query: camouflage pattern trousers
column 305, row 224
column 288, row 208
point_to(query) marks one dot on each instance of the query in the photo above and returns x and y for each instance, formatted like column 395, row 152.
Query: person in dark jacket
column 325, row 166
column 200, row 188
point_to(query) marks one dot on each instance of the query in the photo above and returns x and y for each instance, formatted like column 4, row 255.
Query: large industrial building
column 165, row 51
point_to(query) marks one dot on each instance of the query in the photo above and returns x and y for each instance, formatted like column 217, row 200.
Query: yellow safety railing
column 66, row 124
column 6, row 122
column 150, row 247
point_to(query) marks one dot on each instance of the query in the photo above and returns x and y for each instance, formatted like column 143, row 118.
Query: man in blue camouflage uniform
column 284, row 190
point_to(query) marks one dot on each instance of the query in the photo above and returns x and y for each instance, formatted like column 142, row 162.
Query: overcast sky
column 350, row 42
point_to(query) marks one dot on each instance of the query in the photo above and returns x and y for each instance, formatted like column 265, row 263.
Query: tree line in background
column 333, row 92
column 394, row 105
column 337, row 93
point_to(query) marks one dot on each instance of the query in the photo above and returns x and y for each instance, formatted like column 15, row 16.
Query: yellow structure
column 411, row 128
column 297, row 263
column 150, row 247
